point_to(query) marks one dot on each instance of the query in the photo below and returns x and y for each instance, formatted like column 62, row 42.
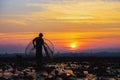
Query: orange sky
column 81, row 41
column 72, row 25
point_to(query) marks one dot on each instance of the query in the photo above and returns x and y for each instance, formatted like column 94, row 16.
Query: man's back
column 39, row 42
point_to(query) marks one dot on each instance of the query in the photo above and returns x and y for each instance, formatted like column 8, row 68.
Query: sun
column 73, row 45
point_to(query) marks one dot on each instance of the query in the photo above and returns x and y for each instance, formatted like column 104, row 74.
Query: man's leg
column 39, row 59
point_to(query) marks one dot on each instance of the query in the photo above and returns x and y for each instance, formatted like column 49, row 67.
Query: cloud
column 111, row 0
column 82, row 11
column 33, row 5
column 70, row 15
column 12, row 21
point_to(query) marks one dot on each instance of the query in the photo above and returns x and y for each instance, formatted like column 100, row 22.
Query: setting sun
column 73, row 45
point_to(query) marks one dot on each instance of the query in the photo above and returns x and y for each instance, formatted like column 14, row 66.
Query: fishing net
column 48, row 49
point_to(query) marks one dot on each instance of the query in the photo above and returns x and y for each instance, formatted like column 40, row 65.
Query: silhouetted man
column 38, row 43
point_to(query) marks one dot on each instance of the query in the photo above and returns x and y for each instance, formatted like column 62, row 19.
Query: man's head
column 40, row 35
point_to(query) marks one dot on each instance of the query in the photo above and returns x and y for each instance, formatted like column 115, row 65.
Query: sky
column 71, row 25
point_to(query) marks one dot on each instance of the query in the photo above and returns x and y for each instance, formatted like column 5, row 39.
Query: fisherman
column 38, row 42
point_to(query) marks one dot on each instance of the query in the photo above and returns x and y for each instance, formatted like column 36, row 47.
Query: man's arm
column 34, row 44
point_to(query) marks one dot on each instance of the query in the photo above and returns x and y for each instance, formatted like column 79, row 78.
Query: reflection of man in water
column 38, row 42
